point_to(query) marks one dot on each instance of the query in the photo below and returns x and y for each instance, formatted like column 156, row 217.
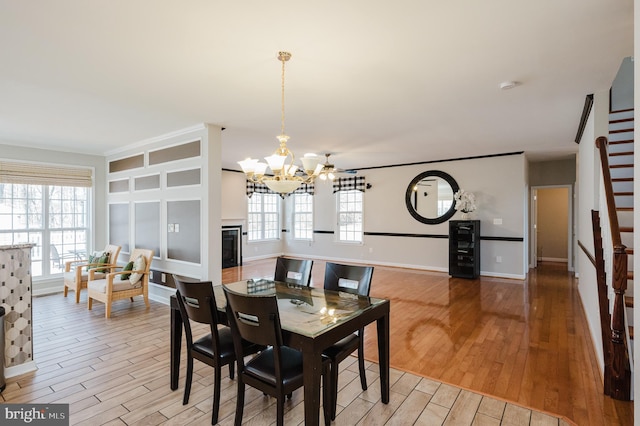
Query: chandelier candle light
column 286, row 177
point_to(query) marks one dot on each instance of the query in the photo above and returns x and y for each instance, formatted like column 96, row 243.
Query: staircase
column 621, row 138
column 613, row 239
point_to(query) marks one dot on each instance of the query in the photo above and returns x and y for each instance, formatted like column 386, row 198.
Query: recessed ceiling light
column 506, row 85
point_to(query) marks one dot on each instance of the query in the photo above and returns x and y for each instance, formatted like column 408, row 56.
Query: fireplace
column 231, row 246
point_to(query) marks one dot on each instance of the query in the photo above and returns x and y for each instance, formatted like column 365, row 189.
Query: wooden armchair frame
column 78, row 280
column 110, row 295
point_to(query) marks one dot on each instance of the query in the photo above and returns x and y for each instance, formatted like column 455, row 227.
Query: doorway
column 552, row 225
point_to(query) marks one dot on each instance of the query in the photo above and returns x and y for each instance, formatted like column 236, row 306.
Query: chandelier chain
column 283, row 60
column 286, row 178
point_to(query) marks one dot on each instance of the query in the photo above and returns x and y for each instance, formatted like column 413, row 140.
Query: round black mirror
column 429, row 197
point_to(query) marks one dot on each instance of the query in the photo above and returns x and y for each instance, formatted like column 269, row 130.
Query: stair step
column 617, row 166
column 621, row 130
column 631, row 332
column 621, row 120
column 618, row 133
column 628, row 301
column 624, row 209
column 622, row 193
column 617, row 154
column 629, row 251
column 621, row 172
column 629, row 275
column 621, row 142
column 618, row 111
column 623, row 186
column 626, row 229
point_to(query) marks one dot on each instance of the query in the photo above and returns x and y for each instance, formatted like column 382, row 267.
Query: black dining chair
column 277, row 370
column 197, row 303
column 356, row 280
column 293, row 271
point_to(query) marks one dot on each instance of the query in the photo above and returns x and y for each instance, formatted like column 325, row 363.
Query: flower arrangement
column 465, row 201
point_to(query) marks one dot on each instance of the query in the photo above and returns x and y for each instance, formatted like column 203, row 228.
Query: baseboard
column 47, row 286
column 553, row 259
column 404, row 265
column 160, row 293
column 265, row 256
column 501, row 275
column 18, row 370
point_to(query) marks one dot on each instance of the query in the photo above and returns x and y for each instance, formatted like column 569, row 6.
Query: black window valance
column 261, row 188
column 349, row 184
column 305, row 188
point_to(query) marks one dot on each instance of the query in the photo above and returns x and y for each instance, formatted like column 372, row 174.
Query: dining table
column 312, row 319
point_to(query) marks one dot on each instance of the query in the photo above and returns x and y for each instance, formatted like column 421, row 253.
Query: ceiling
column 375, row 83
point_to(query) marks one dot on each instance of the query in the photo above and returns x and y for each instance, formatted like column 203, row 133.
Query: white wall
column 499, row 184
column 622, row 87
column 557, row 172
column 588, row 195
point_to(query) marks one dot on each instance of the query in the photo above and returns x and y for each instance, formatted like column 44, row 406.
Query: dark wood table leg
column 176, row 343
column 312, row 362
column 383, row 355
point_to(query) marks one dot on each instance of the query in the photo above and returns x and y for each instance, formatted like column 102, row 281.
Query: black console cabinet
column 464, row 248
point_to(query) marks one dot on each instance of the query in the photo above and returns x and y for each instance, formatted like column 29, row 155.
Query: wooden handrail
column 601, row 144
column 620, row 368
column 587, row 253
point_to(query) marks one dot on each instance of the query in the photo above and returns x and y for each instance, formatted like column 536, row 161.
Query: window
column 54, row 218
column 350, row 216
column 264, row 218
column 302, row 216
column 444, row 206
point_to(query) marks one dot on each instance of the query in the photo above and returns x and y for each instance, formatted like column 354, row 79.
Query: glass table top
column 308, row 311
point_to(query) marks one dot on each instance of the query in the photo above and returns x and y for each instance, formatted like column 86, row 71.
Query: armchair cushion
column 101, row 285
column 127, row 267
column 70, row 276
column 139, row 264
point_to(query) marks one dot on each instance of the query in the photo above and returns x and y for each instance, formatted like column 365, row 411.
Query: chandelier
column 285, row 177
column 328, row 170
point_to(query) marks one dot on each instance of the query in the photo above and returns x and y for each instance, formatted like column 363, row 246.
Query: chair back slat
column 254, row 317
column 197, row 299
column 348, row 278
column 293, row 271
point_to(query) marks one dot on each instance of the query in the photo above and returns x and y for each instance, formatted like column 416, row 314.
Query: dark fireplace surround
column 231, row 246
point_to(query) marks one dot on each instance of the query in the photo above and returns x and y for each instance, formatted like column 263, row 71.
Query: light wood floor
column 525, row 343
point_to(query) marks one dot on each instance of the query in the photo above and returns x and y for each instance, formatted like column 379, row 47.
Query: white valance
column 42, row 174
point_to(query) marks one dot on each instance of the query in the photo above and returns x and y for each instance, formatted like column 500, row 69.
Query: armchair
column 122, row 284
column 76, row 272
